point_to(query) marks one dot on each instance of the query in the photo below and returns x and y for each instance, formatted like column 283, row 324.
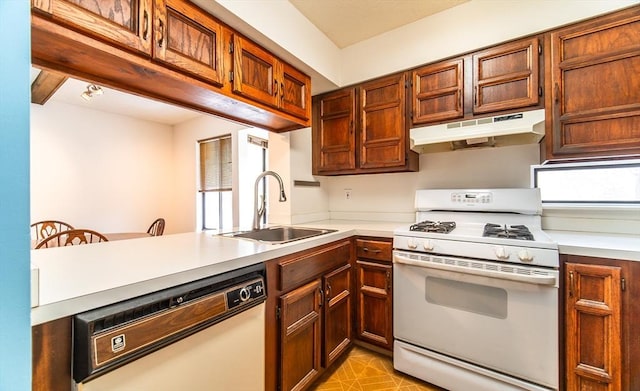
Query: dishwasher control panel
column 252, row 291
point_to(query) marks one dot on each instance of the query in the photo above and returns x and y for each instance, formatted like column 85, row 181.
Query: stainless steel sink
column 278, row 235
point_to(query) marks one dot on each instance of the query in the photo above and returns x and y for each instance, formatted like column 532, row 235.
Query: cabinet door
column 300, row 337
column 593, row 327
column 375, row 300
column 295, row 92
column 437, row 92
column 254, row 72
column 595, row 108
column 337, row 313
column 383, row 127
column 126, row 23
column 507, row 76
column 334, row 141
column 188, row 39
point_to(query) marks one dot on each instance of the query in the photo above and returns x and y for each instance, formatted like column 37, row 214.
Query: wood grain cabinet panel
column 126, row 23
column 593, row 327
column 507, row 76
column 263, row 77
column 333, row 136
column 300, row 336
column 374, row 291
column 595, row 107
column 437, row 92
column 363, row 129
column 382, row 123
column 337, row 313
column 189, row 39
column 601, row 324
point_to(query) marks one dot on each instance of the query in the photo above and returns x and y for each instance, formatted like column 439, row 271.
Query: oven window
column 479, row 299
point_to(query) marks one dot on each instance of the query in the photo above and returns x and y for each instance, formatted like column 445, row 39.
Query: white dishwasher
column 207, row 335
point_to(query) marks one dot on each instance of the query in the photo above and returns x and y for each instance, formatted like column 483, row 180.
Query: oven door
column 497, row 316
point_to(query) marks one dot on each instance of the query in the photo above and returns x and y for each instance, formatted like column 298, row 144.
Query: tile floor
column 364, row 370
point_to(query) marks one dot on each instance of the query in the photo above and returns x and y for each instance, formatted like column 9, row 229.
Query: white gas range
column 476, row 292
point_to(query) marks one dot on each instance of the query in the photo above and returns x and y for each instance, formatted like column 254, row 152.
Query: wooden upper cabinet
column 437, row 92
column 189, row 39
column 295, row 92
column 261, row 76
column 126, row 23
column 507, row 76
column 333, row 137
column 593, row 327
column 383, row 129
column 595, row 107
column 254, row 72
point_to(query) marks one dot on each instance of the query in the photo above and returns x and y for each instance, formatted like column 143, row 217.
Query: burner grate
column 443, row 227
column 520, row 232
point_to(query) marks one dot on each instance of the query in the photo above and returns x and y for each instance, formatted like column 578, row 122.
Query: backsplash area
column 390, row 197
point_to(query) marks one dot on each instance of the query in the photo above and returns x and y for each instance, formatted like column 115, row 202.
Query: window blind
column 215, row 164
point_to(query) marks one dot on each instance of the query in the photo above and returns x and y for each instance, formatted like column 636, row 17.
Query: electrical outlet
column 347, row 194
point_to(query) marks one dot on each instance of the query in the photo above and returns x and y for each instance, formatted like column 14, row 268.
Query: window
column 599, row 183
column 216, row 183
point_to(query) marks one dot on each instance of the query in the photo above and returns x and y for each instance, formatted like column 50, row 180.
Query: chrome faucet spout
column 259, row 207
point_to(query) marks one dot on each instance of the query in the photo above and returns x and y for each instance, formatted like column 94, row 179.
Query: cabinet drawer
column 373, row 249
column 308, row 265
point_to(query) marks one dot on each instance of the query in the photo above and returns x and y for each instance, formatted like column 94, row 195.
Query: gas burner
column 442, row 227
column 508, row 232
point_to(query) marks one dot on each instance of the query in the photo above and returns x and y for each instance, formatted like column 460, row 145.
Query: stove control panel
column 471, row 197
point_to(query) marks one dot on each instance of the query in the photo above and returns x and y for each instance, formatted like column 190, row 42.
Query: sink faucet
column 258, row 210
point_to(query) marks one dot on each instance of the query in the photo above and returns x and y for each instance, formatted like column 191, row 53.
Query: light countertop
column 74, row 279
column 603, row 245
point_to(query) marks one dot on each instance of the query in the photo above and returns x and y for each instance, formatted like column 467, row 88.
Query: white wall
column 390, row 197
column 98, row 170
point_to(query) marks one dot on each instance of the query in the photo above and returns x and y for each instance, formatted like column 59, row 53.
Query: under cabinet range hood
column 526, row 127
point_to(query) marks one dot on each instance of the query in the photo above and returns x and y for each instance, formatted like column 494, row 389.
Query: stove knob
column 525, row 256
column 501, row 252
column 428, row 245
column 412, row 244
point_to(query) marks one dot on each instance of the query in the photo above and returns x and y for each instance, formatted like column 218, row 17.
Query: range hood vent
column 511, row 129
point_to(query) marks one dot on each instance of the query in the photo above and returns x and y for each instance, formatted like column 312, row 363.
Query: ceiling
column 347, row 22
column 344, row 22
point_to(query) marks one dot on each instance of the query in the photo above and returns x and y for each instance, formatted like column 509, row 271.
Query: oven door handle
column 529, row 279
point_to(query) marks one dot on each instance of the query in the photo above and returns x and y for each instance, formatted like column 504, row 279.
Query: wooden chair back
column 43, row 229
column 72, row 237
column 156, row 228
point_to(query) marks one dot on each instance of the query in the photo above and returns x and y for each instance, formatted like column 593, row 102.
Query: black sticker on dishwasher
column 118, row 343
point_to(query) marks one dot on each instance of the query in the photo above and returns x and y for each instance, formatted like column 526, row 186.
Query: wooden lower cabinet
column 374, row 315
column 601, row 324
column 300, row 336
column 309, row 294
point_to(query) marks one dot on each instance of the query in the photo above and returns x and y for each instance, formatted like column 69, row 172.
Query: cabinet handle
column 375, row 251
column 571, row 284
column 475, row 96
column 459, row 101
column 321, row 293
column 161, row 40
column 328, row 293
column 275, row 88
column 388, row 281
column 556, row 92
column 145, row 33
column 281, row 90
